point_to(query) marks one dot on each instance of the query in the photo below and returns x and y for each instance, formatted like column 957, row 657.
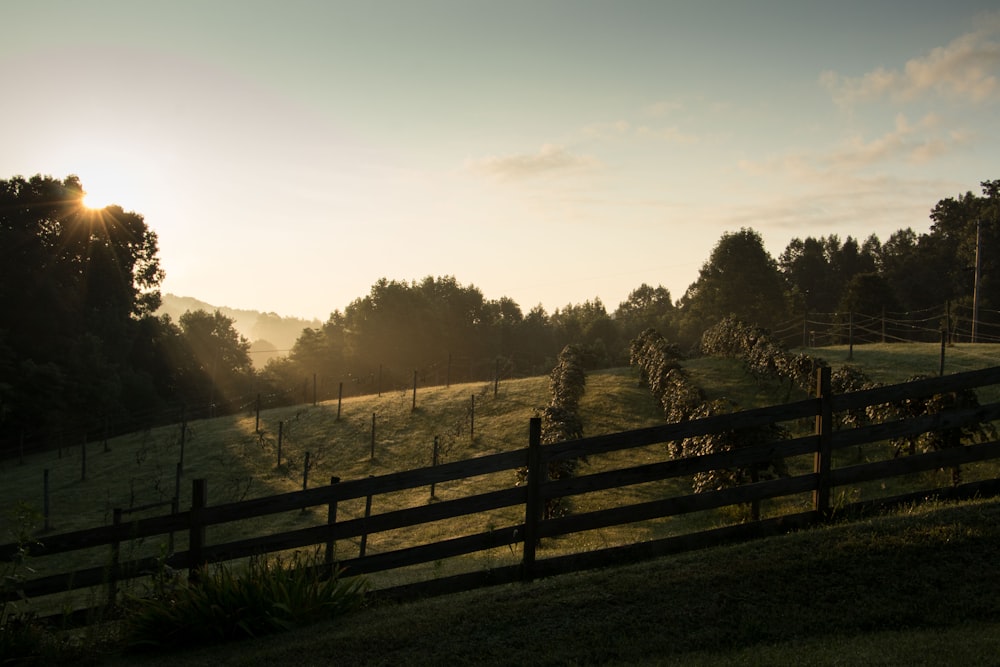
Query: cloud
column 913, row 143
column 550, row 158
column 967, row 69
column 909, row 142
column 672, row 134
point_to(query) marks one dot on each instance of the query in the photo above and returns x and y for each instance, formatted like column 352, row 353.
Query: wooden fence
column 824, row 440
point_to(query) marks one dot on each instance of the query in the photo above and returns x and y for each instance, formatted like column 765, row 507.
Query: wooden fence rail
column 527, row 534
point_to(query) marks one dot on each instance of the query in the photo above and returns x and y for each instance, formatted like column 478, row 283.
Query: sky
column 290, row 154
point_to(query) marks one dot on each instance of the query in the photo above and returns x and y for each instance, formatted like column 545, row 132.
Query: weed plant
column 272, row 594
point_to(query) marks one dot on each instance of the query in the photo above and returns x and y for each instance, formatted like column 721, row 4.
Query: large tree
column 646, row 308
column 741, row 279
column 74, row 283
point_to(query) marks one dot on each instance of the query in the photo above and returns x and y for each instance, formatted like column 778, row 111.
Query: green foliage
column 682, row 400
column 22, row 639
column 561, row 420
column 741, row 279
column 271, row 595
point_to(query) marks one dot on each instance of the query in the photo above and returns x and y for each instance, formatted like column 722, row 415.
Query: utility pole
column 975, row 289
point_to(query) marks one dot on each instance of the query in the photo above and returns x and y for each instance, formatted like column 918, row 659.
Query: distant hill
column 270, row 334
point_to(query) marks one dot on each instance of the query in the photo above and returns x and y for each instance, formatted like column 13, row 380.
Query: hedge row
column 658, row 362
column 765, row 359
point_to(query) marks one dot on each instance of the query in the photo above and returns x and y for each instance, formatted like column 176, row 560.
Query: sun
column 95, row 199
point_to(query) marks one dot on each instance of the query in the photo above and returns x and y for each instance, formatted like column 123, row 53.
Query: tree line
column 81, row 346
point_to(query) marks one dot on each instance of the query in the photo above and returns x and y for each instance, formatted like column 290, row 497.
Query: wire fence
column 958, row 323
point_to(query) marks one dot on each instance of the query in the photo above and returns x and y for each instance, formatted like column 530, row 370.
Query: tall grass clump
column 271, row 595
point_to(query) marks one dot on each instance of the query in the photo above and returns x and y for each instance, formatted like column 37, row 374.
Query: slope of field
column 240, row 462
column 920, row 587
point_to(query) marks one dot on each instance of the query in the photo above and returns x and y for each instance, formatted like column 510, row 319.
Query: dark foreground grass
column 920, row 587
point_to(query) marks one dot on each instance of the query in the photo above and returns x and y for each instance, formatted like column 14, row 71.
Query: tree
column 868, row 293
column 960, row 228
column 646, row 308
column 74, row 284
column 740, row 279
column 217, row 367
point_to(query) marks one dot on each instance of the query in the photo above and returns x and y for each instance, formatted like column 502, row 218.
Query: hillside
column 916, row 588
column 754, row 597
column 270, row 334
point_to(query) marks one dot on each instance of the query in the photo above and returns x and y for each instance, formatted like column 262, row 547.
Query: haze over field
column 289, row 155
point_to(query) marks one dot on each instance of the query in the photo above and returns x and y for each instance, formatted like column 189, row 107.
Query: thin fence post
column 364, row 527
column 850, row 335
column 373, row 437
column 944, row 338
column 281, row 434
column 175, row 506
column 45, row 498
column 532, row 505
column 196, row 534
column 305, row 474
column 434, row 462
column 496, row 378
column 113, row 570
column 824, row 429
column 948, row 325
column 256, row 426
column 331, row 521
column 183, row 433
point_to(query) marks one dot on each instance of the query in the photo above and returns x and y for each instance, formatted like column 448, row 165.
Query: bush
column 271, row 595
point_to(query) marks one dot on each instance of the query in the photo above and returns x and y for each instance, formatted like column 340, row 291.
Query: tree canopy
column 81, row 345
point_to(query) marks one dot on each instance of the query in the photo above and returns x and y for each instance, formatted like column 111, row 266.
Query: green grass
column 240, row 463
column 889, row 363
column 920, row 587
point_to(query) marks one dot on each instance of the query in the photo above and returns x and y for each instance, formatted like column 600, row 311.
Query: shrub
column 271, row 595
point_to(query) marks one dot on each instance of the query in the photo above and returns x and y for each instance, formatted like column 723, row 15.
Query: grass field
column 240, row 463
column 921, row 587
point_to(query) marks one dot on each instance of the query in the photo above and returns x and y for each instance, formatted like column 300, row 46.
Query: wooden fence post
column 496, row 378
column 113, row 569
column 533, row 504
column 944, row 339
column 183, row 434
column 196, row 535
column 45, row 498
column 434, row 462
column 824, row 429
column 305, row 474
column 331, row 521
column 373, row 437
column 281, row 434
column 364, row 533
column 850, row 335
